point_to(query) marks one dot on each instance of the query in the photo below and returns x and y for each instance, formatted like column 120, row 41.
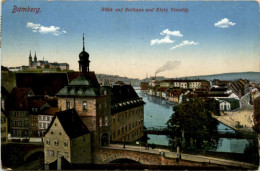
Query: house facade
column 68, row 137
column 127, row 114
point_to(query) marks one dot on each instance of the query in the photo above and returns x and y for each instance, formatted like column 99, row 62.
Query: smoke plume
column 170, row 65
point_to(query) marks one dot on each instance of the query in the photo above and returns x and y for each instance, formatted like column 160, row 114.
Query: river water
column 157, row 112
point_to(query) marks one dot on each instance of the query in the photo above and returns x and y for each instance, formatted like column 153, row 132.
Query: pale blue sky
column 120, row 43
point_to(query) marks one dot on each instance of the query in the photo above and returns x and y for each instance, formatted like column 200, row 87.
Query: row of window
column 131, row 126
column 20, row 123
column 45, row 118
column 19, row 114
column 129, row 136
column 56, row 142
column 43, row 125
column 84, row 105
column 58, row 154
column 18, row 132
column 103, row 121
column 128, row 114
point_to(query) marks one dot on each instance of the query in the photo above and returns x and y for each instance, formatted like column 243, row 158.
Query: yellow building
column 68, row 137
column 127, row 114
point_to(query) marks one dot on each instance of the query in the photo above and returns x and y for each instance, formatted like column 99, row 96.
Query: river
column 157, row 112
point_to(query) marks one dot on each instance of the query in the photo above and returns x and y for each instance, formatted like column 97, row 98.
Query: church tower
column 30, row 60
column 84, row 60
column 35, row 58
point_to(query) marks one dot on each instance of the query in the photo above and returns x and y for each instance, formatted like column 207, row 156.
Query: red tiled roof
column 49, row 111
column 18, row 98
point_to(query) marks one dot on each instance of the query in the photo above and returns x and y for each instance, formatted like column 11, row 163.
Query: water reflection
column 157, row 112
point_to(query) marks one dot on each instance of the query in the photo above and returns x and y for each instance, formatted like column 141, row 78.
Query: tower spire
column 30, row 54
column 83, row 43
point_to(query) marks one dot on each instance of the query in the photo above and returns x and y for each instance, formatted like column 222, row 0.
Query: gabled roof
column 71, row 123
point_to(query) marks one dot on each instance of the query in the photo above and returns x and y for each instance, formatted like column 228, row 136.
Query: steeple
column 83, row 60
column 83, row 43
column 30, row 60
column 35, row 58
column 30, row 56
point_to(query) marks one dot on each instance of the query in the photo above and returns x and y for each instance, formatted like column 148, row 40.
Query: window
column 99, row 106
column 65, row 143
column 84, row 105
column 56, row 142
column 100, row 121
column 50, row 153
column 58, row 153
column 60, row 133
column 106, row 120
column 66, row 154
column 48, row 141
column 51, row 132
column 105, row 104
column 67, row 105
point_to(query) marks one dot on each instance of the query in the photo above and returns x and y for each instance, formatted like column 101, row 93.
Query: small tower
column 84, row 60
column 30, row 60
column 35, row 58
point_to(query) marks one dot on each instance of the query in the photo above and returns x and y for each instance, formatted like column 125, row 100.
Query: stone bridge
column 116, row 152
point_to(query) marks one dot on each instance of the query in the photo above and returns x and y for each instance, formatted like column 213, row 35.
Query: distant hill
column 252, row 76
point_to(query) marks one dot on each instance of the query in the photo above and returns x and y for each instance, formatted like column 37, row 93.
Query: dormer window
column 48, row 141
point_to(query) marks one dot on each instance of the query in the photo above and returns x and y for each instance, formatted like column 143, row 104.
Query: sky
column 196, row 38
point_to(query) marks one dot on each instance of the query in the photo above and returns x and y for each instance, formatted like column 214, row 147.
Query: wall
column 128, row 124
column 81, row 149
column 60, row 147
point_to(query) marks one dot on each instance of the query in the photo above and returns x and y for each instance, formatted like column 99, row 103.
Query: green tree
column 193, row 126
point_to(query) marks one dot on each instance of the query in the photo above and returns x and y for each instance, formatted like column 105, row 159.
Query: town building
column 92, row 102
column 19, row 111
column 227, row 104
column 4, row 127
column 45, row 117
column 239, row 87
column 127, row 110
column 67, row 137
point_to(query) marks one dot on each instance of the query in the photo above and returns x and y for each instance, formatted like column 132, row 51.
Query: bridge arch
column 116, row 158
column 124, row 160
column 33, row 152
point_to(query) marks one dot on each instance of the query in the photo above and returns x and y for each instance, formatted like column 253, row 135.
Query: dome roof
column 83, row 55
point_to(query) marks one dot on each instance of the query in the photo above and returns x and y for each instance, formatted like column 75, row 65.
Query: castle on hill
column 34, row 64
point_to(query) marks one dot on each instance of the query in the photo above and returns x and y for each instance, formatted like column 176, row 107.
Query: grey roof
column 83, row 85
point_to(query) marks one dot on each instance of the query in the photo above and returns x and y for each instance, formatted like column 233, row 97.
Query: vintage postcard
column 130, row 85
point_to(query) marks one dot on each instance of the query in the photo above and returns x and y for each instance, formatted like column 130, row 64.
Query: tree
column 193, row 126
column 58, row 69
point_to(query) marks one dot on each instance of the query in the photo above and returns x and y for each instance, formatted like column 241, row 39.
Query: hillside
column 252, row 76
